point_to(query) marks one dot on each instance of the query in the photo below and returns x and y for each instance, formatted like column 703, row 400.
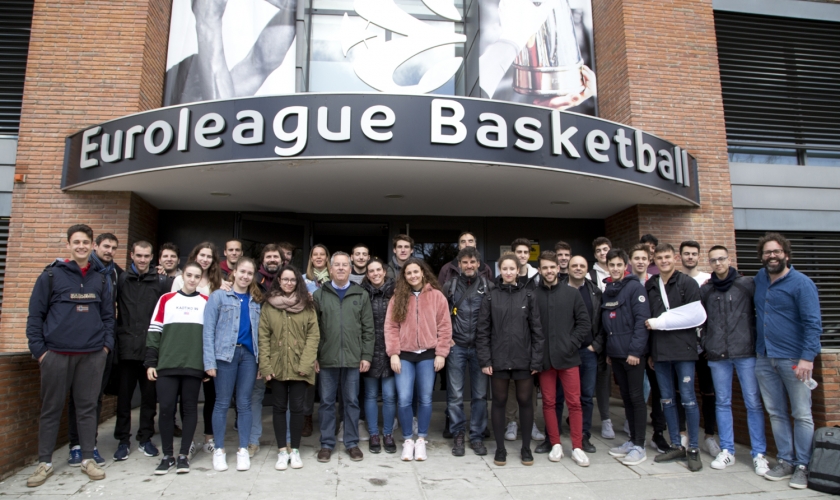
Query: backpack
column 824, row 469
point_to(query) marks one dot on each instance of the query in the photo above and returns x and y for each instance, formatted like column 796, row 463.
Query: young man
column 566, row 327
column 600, row 246
column 651, row 241
column 452, row 269
column 729, row 344
column 169, row 260
column 789, row 326
column 528, row 274
column 270, row 263
column 287, row 252
column 233, row 250
column 564, row 252
column 403, row 248
column 674, row 352
column 70, row 329
column 361, row 256
column 640, row 262
column 603, row 379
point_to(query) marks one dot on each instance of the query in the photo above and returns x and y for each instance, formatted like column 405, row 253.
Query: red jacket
column 426, row 326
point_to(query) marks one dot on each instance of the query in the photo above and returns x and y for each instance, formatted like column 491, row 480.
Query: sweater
column 426, row 325
column 174, row 344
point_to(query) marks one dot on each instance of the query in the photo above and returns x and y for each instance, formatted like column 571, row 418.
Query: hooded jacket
column 452, row 269
column 137, row 297
column 565, row 324
column 380, row 364
column 729, row 332
column 426, row 324
column 347, row 333
column 673, row 345
column 509, row 333
column 624, row 311
column 465, row 318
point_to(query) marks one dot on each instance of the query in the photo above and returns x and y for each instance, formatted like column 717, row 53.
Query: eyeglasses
column 288, row 280
column 776, row 253
column 719, row 260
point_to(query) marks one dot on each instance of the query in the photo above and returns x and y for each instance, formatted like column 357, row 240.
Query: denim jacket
column 221, row 327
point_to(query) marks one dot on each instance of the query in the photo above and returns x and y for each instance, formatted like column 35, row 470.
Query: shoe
column 694, row 462
column 294, row 458
column 375, row 446
column 182, row 465
column 458, row 449
column 92, row 470
column 209, row 446
column 447, row 434
column 635, row 457
column 97, row 457
column 760, row 464
column 177, row 432
column 420, row 450
column 356, row 454
column 527, row 457
column 389, row 444
column 627, row 427
column 307, row 426
column 684, row 441
column 587, row 446
column 621, row 451
column 658, row 443
column 364, row 435
column 414, row 427
column 408, row 451
column 243, row 461
column 500, row 458
column 339, row 433
column 607, row 431
column 672, row 453
column 193, row 450
column 123, row 450
column 800, row 478
column 711, row 446
column 478, row 447
column 536, row 434
column 253, row 449
column 544, row 447
column 282, row 460
column 75, row 458
column 580, row 458
column 723, row 460
column 220, row 460
column 149, row 449
column 510, row 432
column 165, row 464
column 324, row 455
column 40, row 475
column 486, row 433
column 782, row 470
column 556, row 453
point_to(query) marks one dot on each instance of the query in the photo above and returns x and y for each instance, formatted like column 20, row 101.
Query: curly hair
column 402, row 292
column 300, row 287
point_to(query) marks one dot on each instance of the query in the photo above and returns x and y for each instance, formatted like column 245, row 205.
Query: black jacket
column 729, row 331
column 673, row 345
column 465, row 319
column 137, row 296
column 69, row 312
column 509, row 335
column 565, row 324
column 380, row 364
column 624, row 311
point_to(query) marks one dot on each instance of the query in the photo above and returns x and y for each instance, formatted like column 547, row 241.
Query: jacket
column 451, row 269
column 465, row 318
column 221, row 327
column 69, row 312
column 509, row 334
column 729, row 331
column 174, row 343
column 393, row 269
column 598, row 341
column 426, row 324
column 137, row 297
column 565, row 324
column 597, row 275
column 288, row 344
column 624, row 310
column 673, row 345
column 380, row 364
column 347, row 334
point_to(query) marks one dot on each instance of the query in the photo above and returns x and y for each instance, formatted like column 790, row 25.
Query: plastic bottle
column 810, row 383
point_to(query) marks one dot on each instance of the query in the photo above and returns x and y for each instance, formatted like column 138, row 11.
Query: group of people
column 235, row 326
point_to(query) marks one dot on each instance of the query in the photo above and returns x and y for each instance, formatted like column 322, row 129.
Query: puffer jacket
column 509, row 334
column 465, row 319
column 672, row 345
column 288, row 343
column 380, row 364
column 729, row 331
column 426, row 324
column 565, row 324
column 346, row 326
column 624, row 311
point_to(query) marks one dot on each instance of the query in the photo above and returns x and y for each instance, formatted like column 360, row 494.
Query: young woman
column 509, row 344
column 418, row 332
column 381, row 289
column 317, row 270
column 288, row 342
column 231, row 348
column 174, row 358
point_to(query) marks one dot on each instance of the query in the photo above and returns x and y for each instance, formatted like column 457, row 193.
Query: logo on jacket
column 612, row 314
column 641, row 298
column 82, row 309
column 82, row 296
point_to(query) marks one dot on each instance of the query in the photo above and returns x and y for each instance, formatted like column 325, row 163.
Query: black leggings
column 168, row 388
column 288, row 394
column 524, row 391
column 209, row 403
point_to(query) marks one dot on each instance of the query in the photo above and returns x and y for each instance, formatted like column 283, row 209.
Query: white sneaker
column 627, row 427
column 607, row 431
column 711, row 446
column 408, row 451
column 684, row 441
column 339, row 436
column 364, row 435
column 219, row 459
column 556, row 453
column 761, row 465
column 297, row 463
column 536, row 435
column 510, row 433
column 209, row 446
column 723, row 460
column 414, row 427
column 243, row 460
column 282, row 460
column 420, row 450
column 193, row 450
column 580, row 457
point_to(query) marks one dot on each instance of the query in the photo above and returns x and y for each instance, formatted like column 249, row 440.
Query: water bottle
column 810, row 383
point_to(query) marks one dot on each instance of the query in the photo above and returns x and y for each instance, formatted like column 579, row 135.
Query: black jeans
column 657, row 415
column 288, row 394
column 631, row 383
column 72, row 426
column 209, row 403
column 132, row 372
column 707, row 395
column 168, row 388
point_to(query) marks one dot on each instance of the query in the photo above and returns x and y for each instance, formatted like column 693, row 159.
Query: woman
column 174, row 359
column 317, row 270
column 231, row 348
column 289, row 339
column 509, row 345
column 381, row 289
column 418, row 332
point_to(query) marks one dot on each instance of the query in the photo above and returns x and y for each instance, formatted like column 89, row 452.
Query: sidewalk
column 385, row 476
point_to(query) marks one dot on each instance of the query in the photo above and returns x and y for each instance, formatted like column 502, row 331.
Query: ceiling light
column 559, row 202
column 218, row 193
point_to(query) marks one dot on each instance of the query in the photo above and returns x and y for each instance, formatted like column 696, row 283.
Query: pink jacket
column 426, row 326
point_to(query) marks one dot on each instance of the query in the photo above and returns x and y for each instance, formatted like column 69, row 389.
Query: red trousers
column 570, row 378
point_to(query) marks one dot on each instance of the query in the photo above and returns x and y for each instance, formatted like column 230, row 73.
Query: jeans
column 257, row 396
column 460, row 360
column 778, row 383
column 389, row 404
column 570, row 380
column 131, row 373
column 420, row 378
column 329, row 381
column 239, row 374
column 722, row 378
column 685, row 378
column 630, row 380
column 168, row 389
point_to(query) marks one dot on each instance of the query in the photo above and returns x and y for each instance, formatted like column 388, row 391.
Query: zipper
column 341, row 329
column 417, row 318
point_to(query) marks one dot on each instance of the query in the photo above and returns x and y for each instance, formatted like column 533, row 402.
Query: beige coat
column 288, row 344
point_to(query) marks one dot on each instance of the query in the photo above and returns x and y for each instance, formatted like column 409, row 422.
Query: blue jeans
column 685, row 377
column 460, row 360
column 588, row 376
column 722, row 379
column 778, row 383
column 240, row 374
column 389, row 404
column 419, row 378
column 257, row 396
column 329, row 380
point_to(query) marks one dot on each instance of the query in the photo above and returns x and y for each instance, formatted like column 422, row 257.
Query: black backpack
column 824, row 469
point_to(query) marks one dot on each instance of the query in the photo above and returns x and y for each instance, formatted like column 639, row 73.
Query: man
column 169, row 260
column 601, row 247
column 651, row 241
column 70, row 329
column 287, row 251
column 564, row 253
column 465, row 293
column 270, row 263
column 789, row 326
column 361, row 256
column 640, row 262
column 528, row 275
column 345, row 319
column 138, row 291
column 233, row 250
column 403, row 248
column 729, row 344
column 674, row 352
column 452, row 269
column 566, row 327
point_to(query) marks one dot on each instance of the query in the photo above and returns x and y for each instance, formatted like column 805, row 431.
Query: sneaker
column 607, row 431
column 800, row 478
column 527, row 457
column 182, row 465
column 389, row 444
column 635, row 457
column 420, row 450
column 165, row 464
column 97, row 457
column 658, row 443
column 375, row 445
column 580, row 458
column 364, row 435
column 510, row 432
column 760, row 464
column 622, row 451
column 121, row 454
column 544, row 447
column 209, row 446
column 294, row 458
column 478, row 447
column 92, row 470
column 39, row 477
column 339, row 434
column 782, row 470
column 243, row 461
column 587, row 446
column 459, row 447
column 627, row 427
column 149, row 449
column 674, row 452
column 408, row 451
column 711, row 446
column 253, row 449
column 75, row 458
column 556, row 453
column 694, row 462
column 500, row 458
column 282, row 460
column 723, row 460
column 220, row 460
column 684, row 441
column 193, row 450
column 536, row 435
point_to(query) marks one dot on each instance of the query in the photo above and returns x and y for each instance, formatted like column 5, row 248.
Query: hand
column 650, row 364
column 211, row 373
column 364, row 366
column 302, row 374
column 440, row 361
column 632, row 360
column 609, row 360
column 106, row 350
column 487, row 370
column 269, row 377
column 574, row 99
column 317, row 367
column 259, row 375
column 534, row 372
column 804, row 369
column 151, row 374
column 159, row 269
column 647, row 324
column 226, row 286
column 590, row 348
column 451, row 343
column 396, row 364
column 42, row 357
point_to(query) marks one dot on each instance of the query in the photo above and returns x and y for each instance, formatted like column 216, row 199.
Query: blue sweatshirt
column 788, row 321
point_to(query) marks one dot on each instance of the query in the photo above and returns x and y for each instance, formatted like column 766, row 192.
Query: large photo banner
column 538, row 52
column 220, row 49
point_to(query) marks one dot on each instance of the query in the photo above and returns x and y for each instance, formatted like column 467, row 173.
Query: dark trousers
column 288, row 394
column 631, row 383
column 59, row 374
column 168, row 388
column 657, row 416
column 707, row 395
column 132, row 372
column 209, row 403
column 72, row 426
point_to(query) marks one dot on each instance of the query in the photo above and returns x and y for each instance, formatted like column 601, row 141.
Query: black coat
column 624, row 311
column 565, row 324
column 729, row 331
column 673, row 345
column 509, row 334
column 465, row 319
column 380, row 364
column 137, row 296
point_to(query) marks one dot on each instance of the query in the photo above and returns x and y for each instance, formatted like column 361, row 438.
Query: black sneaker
column 447, row 434
column 500, row 458
column 374, row 445
column 672, row 453
column 587, row 446
column 527, row 458
column 458, row 447
column 694, row 462
column 478, row 447
column 659, row 443
column 543, row 447
column 165, row 464
column 389, row 444
column 182, row 465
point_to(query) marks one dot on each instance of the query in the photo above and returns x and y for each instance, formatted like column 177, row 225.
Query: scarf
column 321, row 276
column 224, row 267
column 269, row 276
column 722, row 285
column 289, row 304
column 101, row 268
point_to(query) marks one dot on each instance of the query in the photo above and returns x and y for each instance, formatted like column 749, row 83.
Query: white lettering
column 528, row 128
column 129, row 140
column 343, row 133
column 439, row 121
column 256, row 127
column 149, row 138
column 499, row 128
column 623, row 141
column 299, row 135
column 89, row 147
column 686, row 176
column 560, row 139
column 183, row 129
column 678, row 164
column 645, row 156
column 108, row 154
column 202, row 130
column 666, row 165
column 369, row 123
column 597, row 141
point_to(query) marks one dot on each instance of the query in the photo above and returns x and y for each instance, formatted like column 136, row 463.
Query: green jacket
column 288, row 344
column 346, row 326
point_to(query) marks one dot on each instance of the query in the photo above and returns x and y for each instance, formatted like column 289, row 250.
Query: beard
column 774, row 268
